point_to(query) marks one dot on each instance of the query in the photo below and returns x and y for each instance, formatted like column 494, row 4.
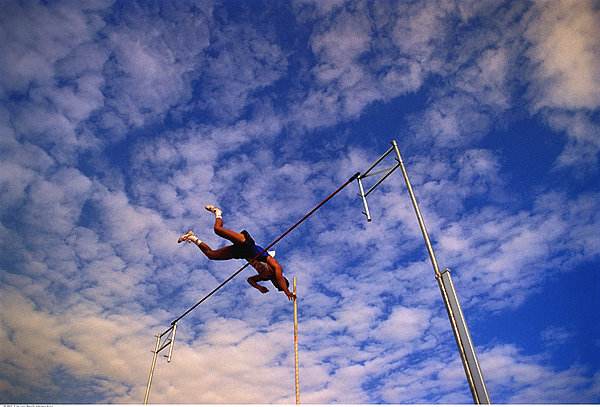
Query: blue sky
column 120, row 120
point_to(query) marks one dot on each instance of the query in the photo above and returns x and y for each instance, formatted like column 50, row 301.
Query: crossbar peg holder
column 364, row 198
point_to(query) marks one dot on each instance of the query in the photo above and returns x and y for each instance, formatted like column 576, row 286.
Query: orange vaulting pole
column 296, row 345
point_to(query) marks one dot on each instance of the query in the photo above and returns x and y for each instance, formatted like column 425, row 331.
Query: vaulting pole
column 296, row 369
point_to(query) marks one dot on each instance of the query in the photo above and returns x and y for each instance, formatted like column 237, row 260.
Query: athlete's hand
column 290, row 295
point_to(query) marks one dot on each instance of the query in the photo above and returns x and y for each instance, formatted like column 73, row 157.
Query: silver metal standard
column 417, row 211
column 451, row 303
column 459, row 326
column 169, row 342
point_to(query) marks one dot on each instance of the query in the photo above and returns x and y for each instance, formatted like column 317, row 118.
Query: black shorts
column 249, row 249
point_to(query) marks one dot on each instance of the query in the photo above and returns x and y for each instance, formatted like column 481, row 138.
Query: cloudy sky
column 119, row 121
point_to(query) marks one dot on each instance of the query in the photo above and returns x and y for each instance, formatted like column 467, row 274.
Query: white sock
column 217, row 211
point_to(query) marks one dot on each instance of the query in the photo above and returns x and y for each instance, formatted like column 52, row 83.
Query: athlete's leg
column 224, row 253
column 233, row 237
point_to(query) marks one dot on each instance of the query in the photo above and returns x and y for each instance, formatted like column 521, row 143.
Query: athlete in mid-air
column 243, row 247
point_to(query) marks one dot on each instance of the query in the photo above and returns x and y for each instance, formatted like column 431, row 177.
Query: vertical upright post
column 296, row 369
column 465, row 347
column 152, row 366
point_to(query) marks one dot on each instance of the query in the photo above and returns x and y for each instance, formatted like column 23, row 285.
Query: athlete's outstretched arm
column 279, row 277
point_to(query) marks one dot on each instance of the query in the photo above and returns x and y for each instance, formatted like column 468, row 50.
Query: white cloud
column 511, row 377
column 419, row 32
column 451, row 121
column 343, row 42
column 43, row 46
column 566, row 52
column 34, row 37
column 556, row 336
column 565, row 80
column 530, row 381
column 487, row 78
column 404, row 324
column 245, row 61
column 323, row 7
column 20, row 164
column 502, row 255
column 59, row 198
column 155, row 59
column 368, row 54
column 583, row 143
column 477, row 90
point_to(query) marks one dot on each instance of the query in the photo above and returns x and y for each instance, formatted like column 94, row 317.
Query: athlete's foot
column 189, row 236
column 211, row 208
